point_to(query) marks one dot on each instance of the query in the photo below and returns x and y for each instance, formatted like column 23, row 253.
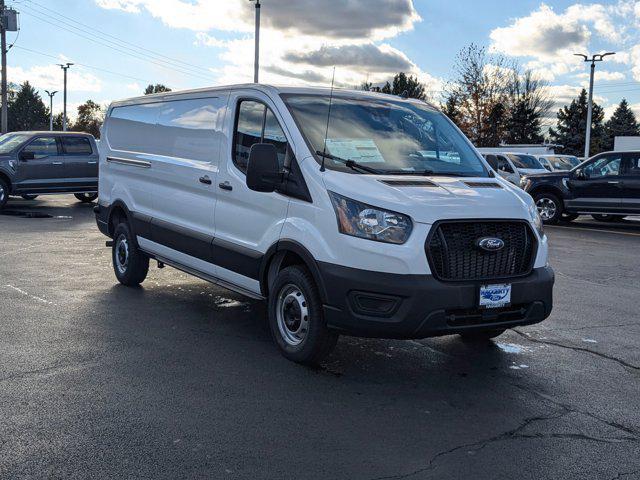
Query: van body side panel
column 126, row 159
column 187, row 145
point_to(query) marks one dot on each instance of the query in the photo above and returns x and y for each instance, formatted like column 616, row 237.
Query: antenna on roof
column 326, row 132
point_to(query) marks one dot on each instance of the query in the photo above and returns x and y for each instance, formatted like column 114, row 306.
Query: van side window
column 43, row 147
column 256, row 124
column 76, row 146
column 503, row 165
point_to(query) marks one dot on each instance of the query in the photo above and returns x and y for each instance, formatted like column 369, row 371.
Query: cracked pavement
column 179, row 379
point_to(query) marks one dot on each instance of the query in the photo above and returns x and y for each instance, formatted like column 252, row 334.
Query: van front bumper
column 385, row 305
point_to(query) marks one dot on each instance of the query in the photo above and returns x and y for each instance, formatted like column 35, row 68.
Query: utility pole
column 3, row 45
column 256, row 63
column 64, row 67
column 593, row 60
column 51, row 94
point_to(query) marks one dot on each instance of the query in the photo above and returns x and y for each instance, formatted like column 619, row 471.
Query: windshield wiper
column 352, row 164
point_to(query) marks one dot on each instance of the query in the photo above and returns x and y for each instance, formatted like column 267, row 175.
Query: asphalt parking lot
column 179, row 379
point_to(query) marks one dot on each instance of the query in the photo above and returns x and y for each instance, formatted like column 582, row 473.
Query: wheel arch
column 6, row 180
column 548, row 189
column 118, row 209
column 285, row 253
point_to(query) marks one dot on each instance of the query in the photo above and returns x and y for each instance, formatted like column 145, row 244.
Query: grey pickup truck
column 39, row 163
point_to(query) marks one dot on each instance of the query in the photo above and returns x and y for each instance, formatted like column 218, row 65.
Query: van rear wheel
column 296, row 318
column 129, row 263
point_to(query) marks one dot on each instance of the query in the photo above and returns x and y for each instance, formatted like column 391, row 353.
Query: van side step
column 207, row 277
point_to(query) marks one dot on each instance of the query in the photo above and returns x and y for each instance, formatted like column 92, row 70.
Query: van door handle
column 613, row 183
column 92, row 163
column 206, row 180
column 225, row 186
column 56, row 163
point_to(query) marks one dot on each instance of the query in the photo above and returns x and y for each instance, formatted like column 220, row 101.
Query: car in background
column 559, row 163
column 513, row 166
column 607, row 187
column 44, row 163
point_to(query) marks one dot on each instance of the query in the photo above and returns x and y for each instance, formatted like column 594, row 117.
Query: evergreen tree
column 157, row 88
column 451, row 108
column 572, row 125
column 57, row 122
column 529, row 103
column 622, row 123
column 401, row 84
column 27, row 111
column 90, row 118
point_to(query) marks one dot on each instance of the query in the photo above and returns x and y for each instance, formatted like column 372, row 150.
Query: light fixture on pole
column 51, row 94
column 593, row 60
column 256, row 62
column 65, row 67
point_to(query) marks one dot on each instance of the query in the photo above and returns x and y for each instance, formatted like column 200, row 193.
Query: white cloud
column 136, row 87
column 634, row 59
column 50, row 77
column 602, row 76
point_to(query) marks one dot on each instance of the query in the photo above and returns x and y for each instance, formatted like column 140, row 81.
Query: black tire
column 86, row 197
column 29, row 197
column 129, row 263
column 549, row 207
column 4, row 193
column 483, row 336
column 569, row 217
column 294, row 297
column 608, row 218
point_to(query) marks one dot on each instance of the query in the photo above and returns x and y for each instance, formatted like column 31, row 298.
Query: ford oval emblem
column 490, row 244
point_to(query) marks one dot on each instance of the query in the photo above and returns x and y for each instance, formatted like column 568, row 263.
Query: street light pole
column 65, row 67
column 593, row 60
column 5, row 97
column 256, row 62
column 51, row 94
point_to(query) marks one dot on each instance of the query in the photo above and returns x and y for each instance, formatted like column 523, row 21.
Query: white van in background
column 513, row 166
column 379, row 219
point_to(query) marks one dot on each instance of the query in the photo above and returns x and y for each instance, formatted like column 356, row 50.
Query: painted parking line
column 578, row 229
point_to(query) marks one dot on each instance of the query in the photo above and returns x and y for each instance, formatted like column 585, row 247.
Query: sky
column 120, row 46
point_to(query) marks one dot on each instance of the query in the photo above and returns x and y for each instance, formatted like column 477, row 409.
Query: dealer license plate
column 495, row 296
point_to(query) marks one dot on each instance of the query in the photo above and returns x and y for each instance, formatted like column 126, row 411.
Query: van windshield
column 10, row 141
column 525, row 161
column 392, row 137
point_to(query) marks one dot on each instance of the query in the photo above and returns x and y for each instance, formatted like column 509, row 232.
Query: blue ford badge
column 490, row 244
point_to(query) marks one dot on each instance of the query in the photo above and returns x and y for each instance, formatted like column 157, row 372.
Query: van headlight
column 536, row 220
column 365, row 221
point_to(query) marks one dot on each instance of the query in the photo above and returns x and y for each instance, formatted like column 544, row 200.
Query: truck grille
column 453, row 253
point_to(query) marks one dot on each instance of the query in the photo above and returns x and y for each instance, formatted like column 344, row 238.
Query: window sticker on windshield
column 361, row 150
column 451, row 157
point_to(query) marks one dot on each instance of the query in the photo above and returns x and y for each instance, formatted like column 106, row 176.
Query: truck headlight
column 536, row 220
column 365, row 221
column 524, row 182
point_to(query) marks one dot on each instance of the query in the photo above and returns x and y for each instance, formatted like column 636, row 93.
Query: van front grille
column 454, row 255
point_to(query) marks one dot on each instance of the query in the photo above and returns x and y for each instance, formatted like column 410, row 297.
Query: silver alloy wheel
column 122, row 254
column 292, row 315
column 546, row 208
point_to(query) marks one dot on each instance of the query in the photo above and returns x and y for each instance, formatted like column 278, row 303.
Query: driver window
column 257, row 124
column 503, row 165
column 43, row 147
column 608, row 166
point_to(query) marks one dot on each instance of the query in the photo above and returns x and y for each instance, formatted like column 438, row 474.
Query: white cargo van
column 513, row 166
column 350, row 212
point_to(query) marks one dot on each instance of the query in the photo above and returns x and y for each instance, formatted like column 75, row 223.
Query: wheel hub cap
column 292, row 314
column 546, row 208
column 122, row 254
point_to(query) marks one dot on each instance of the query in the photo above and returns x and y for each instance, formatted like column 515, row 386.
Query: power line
column 125, row 52
column 84, row 65
column 93, row 31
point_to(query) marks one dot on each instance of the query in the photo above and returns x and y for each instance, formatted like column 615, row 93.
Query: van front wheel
column 296, row 318
column 129, row 263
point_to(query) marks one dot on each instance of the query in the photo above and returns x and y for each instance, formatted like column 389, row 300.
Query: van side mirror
column 24, row 156
column 263, row 169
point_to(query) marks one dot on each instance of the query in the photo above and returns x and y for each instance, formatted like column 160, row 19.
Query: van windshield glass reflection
column 393, row 137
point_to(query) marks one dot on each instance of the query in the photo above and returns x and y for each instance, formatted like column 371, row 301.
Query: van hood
column 432, row 198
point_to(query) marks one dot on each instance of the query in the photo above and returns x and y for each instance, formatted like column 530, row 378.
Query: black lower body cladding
column 388, row 305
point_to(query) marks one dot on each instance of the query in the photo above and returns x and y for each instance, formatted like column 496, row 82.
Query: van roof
column 265, row 88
